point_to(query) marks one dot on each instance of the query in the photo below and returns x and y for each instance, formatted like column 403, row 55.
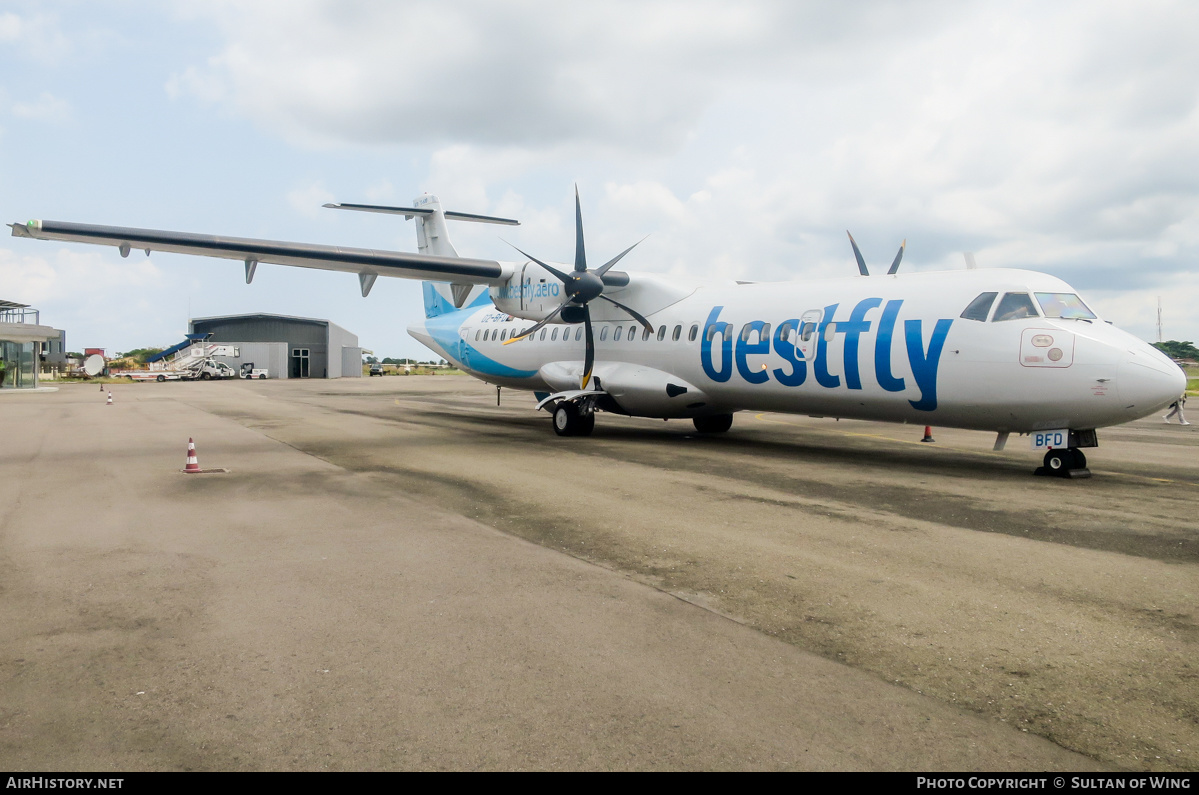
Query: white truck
column 190, row 360
column 248, row 370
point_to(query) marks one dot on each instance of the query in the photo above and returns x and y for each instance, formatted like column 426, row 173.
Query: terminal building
column 285, row 346
column 26, row 345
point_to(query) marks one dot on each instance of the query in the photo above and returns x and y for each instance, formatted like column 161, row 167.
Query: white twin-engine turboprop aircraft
column 995, row 350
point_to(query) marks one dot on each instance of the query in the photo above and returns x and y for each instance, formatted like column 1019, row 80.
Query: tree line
column 1178, row 350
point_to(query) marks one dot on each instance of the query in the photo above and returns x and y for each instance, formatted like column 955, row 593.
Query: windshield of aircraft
column 1014, row 306
column 1064, row 305
column 979, row 307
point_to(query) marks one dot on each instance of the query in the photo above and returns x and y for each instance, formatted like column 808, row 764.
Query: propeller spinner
column 582, row 286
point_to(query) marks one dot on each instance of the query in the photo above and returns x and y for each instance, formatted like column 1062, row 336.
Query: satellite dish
column 94, row 364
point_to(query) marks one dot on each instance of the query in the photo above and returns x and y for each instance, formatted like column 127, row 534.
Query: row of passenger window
column 617, row 333
column 1014, row 306
column 804, row 331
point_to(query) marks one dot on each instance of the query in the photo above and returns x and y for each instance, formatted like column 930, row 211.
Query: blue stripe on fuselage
column 444, row 331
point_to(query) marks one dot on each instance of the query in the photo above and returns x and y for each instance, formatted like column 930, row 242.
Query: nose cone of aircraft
column 1149, row 381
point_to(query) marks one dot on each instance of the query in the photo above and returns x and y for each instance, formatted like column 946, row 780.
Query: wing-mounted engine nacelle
column 532, row 292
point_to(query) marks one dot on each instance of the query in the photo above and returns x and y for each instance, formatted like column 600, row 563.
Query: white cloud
column 74, row 277
column 631, row 75
column 10, row 27
column 47, row 107
column 307, row 200
column 87, row 293
column 35, row 37
column 196, row 82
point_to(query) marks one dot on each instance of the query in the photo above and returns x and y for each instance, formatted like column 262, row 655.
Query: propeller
column 862, row 263
column 582, row 287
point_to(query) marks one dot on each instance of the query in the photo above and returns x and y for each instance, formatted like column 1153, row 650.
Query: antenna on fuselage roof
column 970, row 263
column 862, row 262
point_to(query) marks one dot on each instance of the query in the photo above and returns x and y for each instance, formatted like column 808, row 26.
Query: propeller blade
column 565, row 278
column 636, row 315
column 898, row 257
column 580, row 251
column 589, row 361
column 540, row 324
column 604, row 268
column 861, row 262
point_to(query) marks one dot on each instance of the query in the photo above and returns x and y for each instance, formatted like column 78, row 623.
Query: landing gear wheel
column 1068, row 463
column 567, row 420
column 1058, row 462
column 715, row 423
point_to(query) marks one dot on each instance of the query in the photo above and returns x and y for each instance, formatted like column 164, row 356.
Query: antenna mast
column 1159, row 318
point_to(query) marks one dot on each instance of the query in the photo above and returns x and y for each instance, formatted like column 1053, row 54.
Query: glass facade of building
column 22, row 338
column 17, row 363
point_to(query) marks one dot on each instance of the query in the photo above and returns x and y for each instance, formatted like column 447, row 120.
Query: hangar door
column 299, row 362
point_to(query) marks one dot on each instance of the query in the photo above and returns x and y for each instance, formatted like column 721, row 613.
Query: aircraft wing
column 367, row 263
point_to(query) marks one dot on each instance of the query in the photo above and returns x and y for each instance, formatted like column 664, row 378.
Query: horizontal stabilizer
column 411, row 212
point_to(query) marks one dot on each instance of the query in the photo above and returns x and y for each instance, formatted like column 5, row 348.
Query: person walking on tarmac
column 1176, row 408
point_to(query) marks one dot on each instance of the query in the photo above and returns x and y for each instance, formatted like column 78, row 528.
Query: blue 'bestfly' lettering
column 923, row 359
column 711, row 329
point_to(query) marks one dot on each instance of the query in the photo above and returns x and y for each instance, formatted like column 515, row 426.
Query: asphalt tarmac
column 395, row 573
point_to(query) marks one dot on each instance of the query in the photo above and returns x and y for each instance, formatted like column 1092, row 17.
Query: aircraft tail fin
column 442, row 298
column 433, row 237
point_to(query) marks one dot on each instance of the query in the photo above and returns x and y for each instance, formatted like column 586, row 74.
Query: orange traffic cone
column 109, row 399
column 928, row 434
column 193, row 463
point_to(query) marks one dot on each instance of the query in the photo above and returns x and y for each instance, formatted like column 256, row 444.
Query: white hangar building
column 288, row 347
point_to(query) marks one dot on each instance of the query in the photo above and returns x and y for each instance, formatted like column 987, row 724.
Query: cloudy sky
column 744, row 138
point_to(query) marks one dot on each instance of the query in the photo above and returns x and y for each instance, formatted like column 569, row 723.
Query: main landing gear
column 571, row 419
column 577, row 418
column 1068, row 462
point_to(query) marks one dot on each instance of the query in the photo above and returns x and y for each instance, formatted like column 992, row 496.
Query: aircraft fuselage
column 891, row 348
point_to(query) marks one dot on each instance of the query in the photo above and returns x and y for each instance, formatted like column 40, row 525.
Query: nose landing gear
column 1066, row 462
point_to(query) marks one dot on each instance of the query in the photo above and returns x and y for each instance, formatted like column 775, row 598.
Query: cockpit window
column 1014, row 306
column 980, row 307
column 1064, row 305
